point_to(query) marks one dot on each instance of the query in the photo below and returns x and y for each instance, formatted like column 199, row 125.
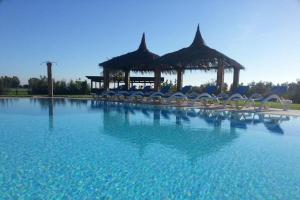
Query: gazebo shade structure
column 140, row 60
column 198, row 56
column 96, row 81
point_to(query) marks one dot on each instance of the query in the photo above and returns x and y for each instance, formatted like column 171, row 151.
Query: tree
column 14, row 82
column 7, row 82
column 118, row 75
column 294, row 92
column 84, row 88
column 38, row 85
column 60, row 87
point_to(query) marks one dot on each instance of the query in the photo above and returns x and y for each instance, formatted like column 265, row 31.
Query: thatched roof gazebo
column 198, row 56
column 139, row 61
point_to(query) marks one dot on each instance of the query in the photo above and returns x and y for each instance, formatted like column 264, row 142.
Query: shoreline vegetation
column 10, row 87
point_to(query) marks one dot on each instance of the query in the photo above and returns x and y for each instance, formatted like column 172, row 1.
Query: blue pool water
column 79, row 149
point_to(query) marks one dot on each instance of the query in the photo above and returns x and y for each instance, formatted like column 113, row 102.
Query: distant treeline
column 40, row 86
column 8, row 82
column 265, row 87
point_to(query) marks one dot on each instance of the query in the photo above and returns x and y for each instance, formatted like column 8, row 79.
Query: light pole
column 50, row 80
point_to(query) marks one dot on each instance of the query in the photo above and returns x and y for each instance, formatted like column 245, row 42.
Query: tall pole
column 127, row 79
column 106, row 79
column 220, row 77
column 50, row 80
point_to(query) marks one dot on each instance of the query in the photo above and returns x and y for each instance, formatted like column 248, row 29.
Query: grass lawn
column 17, row 92
column 293, row 106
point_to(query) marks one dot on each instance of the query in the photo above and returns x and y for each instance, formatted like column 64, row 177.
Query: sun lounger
column 209, row 93
column 276, row 96
column 239, row 94
column 180, row 96
column 159, row 95
column 139, row 95
column 107, row 95
column 121, row 95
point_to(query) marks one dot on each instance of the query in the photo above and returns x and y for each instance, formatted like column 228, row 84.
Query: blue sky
column 263, row 35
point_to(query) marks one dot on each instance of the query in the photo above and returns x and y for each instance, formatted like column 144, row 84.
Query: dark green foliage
column 294, row 92
column 74, row 87
column 262, row 88
column 40, row 86
column 84, row 87
column 7, row 82
column 60, row 87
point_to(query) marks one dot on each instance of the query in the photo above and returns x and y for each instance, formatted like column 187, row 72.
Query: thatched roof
column 197, row 56
column 138, row 60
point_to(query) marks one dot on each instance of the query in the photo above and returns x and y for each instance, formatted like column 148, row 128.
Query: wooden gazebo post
column 179, row 78
column 236, row 78
column 91, row 84
column 220, row 77
column 127, row 79
column 105, row 79
column 157, row 79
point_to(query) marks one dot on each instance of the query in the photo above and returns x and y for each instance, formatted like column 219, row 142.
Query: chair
column 209, row 92
column 147, row 90
column 276, row 95
column 139, row 95
column 162, row 93
column 182, row 95
column 239, row 94
column 107, row 95
column 121, row 95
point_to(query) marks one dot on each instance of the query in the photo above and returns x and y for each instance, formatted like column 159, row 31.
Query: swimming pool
column 81, row 149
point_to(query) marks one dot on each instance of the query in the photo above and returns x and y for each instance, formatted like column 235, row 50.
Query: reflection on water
column 144, row 151
column 177, row 134
column 214, row 118
column 184, row 139
column 51, row 125
column 50, row 103
column 5, row 102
